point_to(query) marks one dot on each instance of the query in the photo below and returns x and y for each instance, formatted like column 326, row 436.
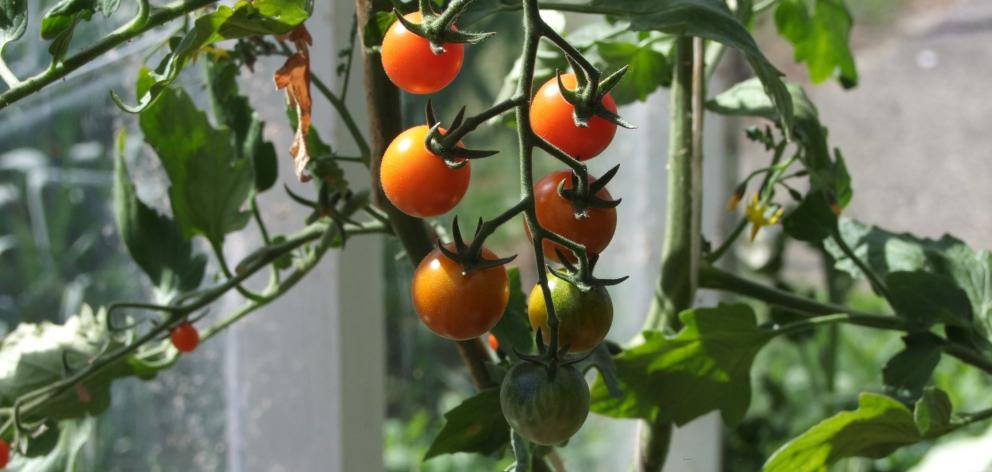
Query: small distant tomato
column 555, row 213
column 493, row 342
column 4, row 453
column 458, row 306
column 551, row 117
column 410, row 63
column 417, row 181
column 185, row 337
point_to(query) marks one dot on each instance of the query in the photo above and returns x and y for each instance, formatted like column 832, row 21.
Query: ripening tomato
column 185, row 337
column 551, row 117
column 543, row 409
column 458, row 306
column 412, row 65
column 4, row 453
column 416, row 180
column 493, row 342
column 584, row 318
column 555, row 213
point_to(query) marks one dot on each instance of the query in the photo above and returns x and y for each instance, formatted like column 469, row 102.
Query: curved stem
column 876, row 282
column 159, row 17
column 349, row 120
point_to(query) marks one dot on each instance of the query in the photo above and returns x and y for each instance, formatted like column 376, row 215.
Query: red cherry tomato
column 551, row 117
column 458, row 306
column 493, row 342
column 4, row 453
column 185, row 337
column 410, row 63
column 417, row 181
column 555, row 213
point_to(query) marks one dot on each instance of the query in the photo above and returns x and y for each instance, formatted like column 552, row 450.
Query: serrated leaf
column 13, row 21
column 821, row 40
column 209, row 184
column 235, row 111
column 260, row 17
column 513, row 329
column 64, row 15
column 705, row 367
column 152, row 239
column 878, row 427
column 476, row 425
column 907, row 373
column 648, row 70
column 886, row 252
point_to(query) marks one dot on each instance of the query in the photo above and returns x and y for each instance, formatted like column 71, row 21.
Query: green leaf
column 32, row 357
column 209, row 183
column 812, row 221
column 932, row 414
column 152, row 239
column 925, row 298
column 476, row 425
column 710, row 19
column 260, row 17
column 886, row 252
column 908, row 372
column 601, row 360
column 705, row 367
column 70, row 437
column 13, row 21
column 878, row 427
column 648, row 70
column 62, row 17
column 235, row 111
column 821, row 40
column 376, row 29
column 513, row 330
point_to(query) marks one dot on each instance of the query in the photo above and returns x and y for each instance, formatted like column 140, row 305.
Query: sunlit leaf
column 476, row 425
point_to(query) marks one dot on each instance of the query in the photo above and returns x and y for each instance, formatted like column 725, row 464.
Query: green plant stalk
column 680, row 254
column 141, row 24
column 385, row 123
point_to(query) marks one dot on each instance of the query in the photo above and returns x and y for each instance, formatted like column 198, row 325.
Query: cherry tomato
column 410, row 63
column 185, row 337
column 584, row 318
column 4, row 453
column 557, row 214
column 417, row 181
column 543, row 409
column 551, row 117
column 458, row 306
column 493, row 342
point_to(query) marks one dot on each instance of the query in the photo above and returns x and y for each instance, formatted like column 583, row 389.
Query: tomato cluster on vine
column 461, row 290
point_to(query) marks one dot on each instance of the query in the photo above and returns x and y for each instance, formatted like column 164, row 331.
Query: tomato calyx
column 445, row 144
column 587, row 98
column 551, row 361
column 438, row 29
column 470, row 256
column 583, row 200
column 582, row 276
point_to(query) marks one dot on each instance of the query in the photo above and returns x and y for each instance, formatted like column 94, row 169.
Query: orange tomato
column 555, row 213
column 551, row 117
column 417, row 181
column 410, row 63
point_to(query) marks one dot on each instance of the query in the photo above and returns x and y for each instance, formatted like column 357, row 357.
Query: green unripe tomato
column 584, row 318
column 542, row 409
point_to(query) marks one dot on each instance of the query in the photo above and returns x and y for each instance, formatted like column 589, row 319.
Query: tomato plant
column 185, row 337
column 543, row 407
column 457, row 305
column 687, row 361
column 585, row 316
column 413, row 65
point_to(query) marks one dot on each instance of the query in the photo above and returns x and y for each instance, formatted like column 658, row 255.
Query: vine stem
column 140, row 25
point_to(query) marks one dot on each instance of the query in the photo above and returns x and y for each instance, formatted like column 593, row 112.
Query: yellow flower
column 755, row 213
